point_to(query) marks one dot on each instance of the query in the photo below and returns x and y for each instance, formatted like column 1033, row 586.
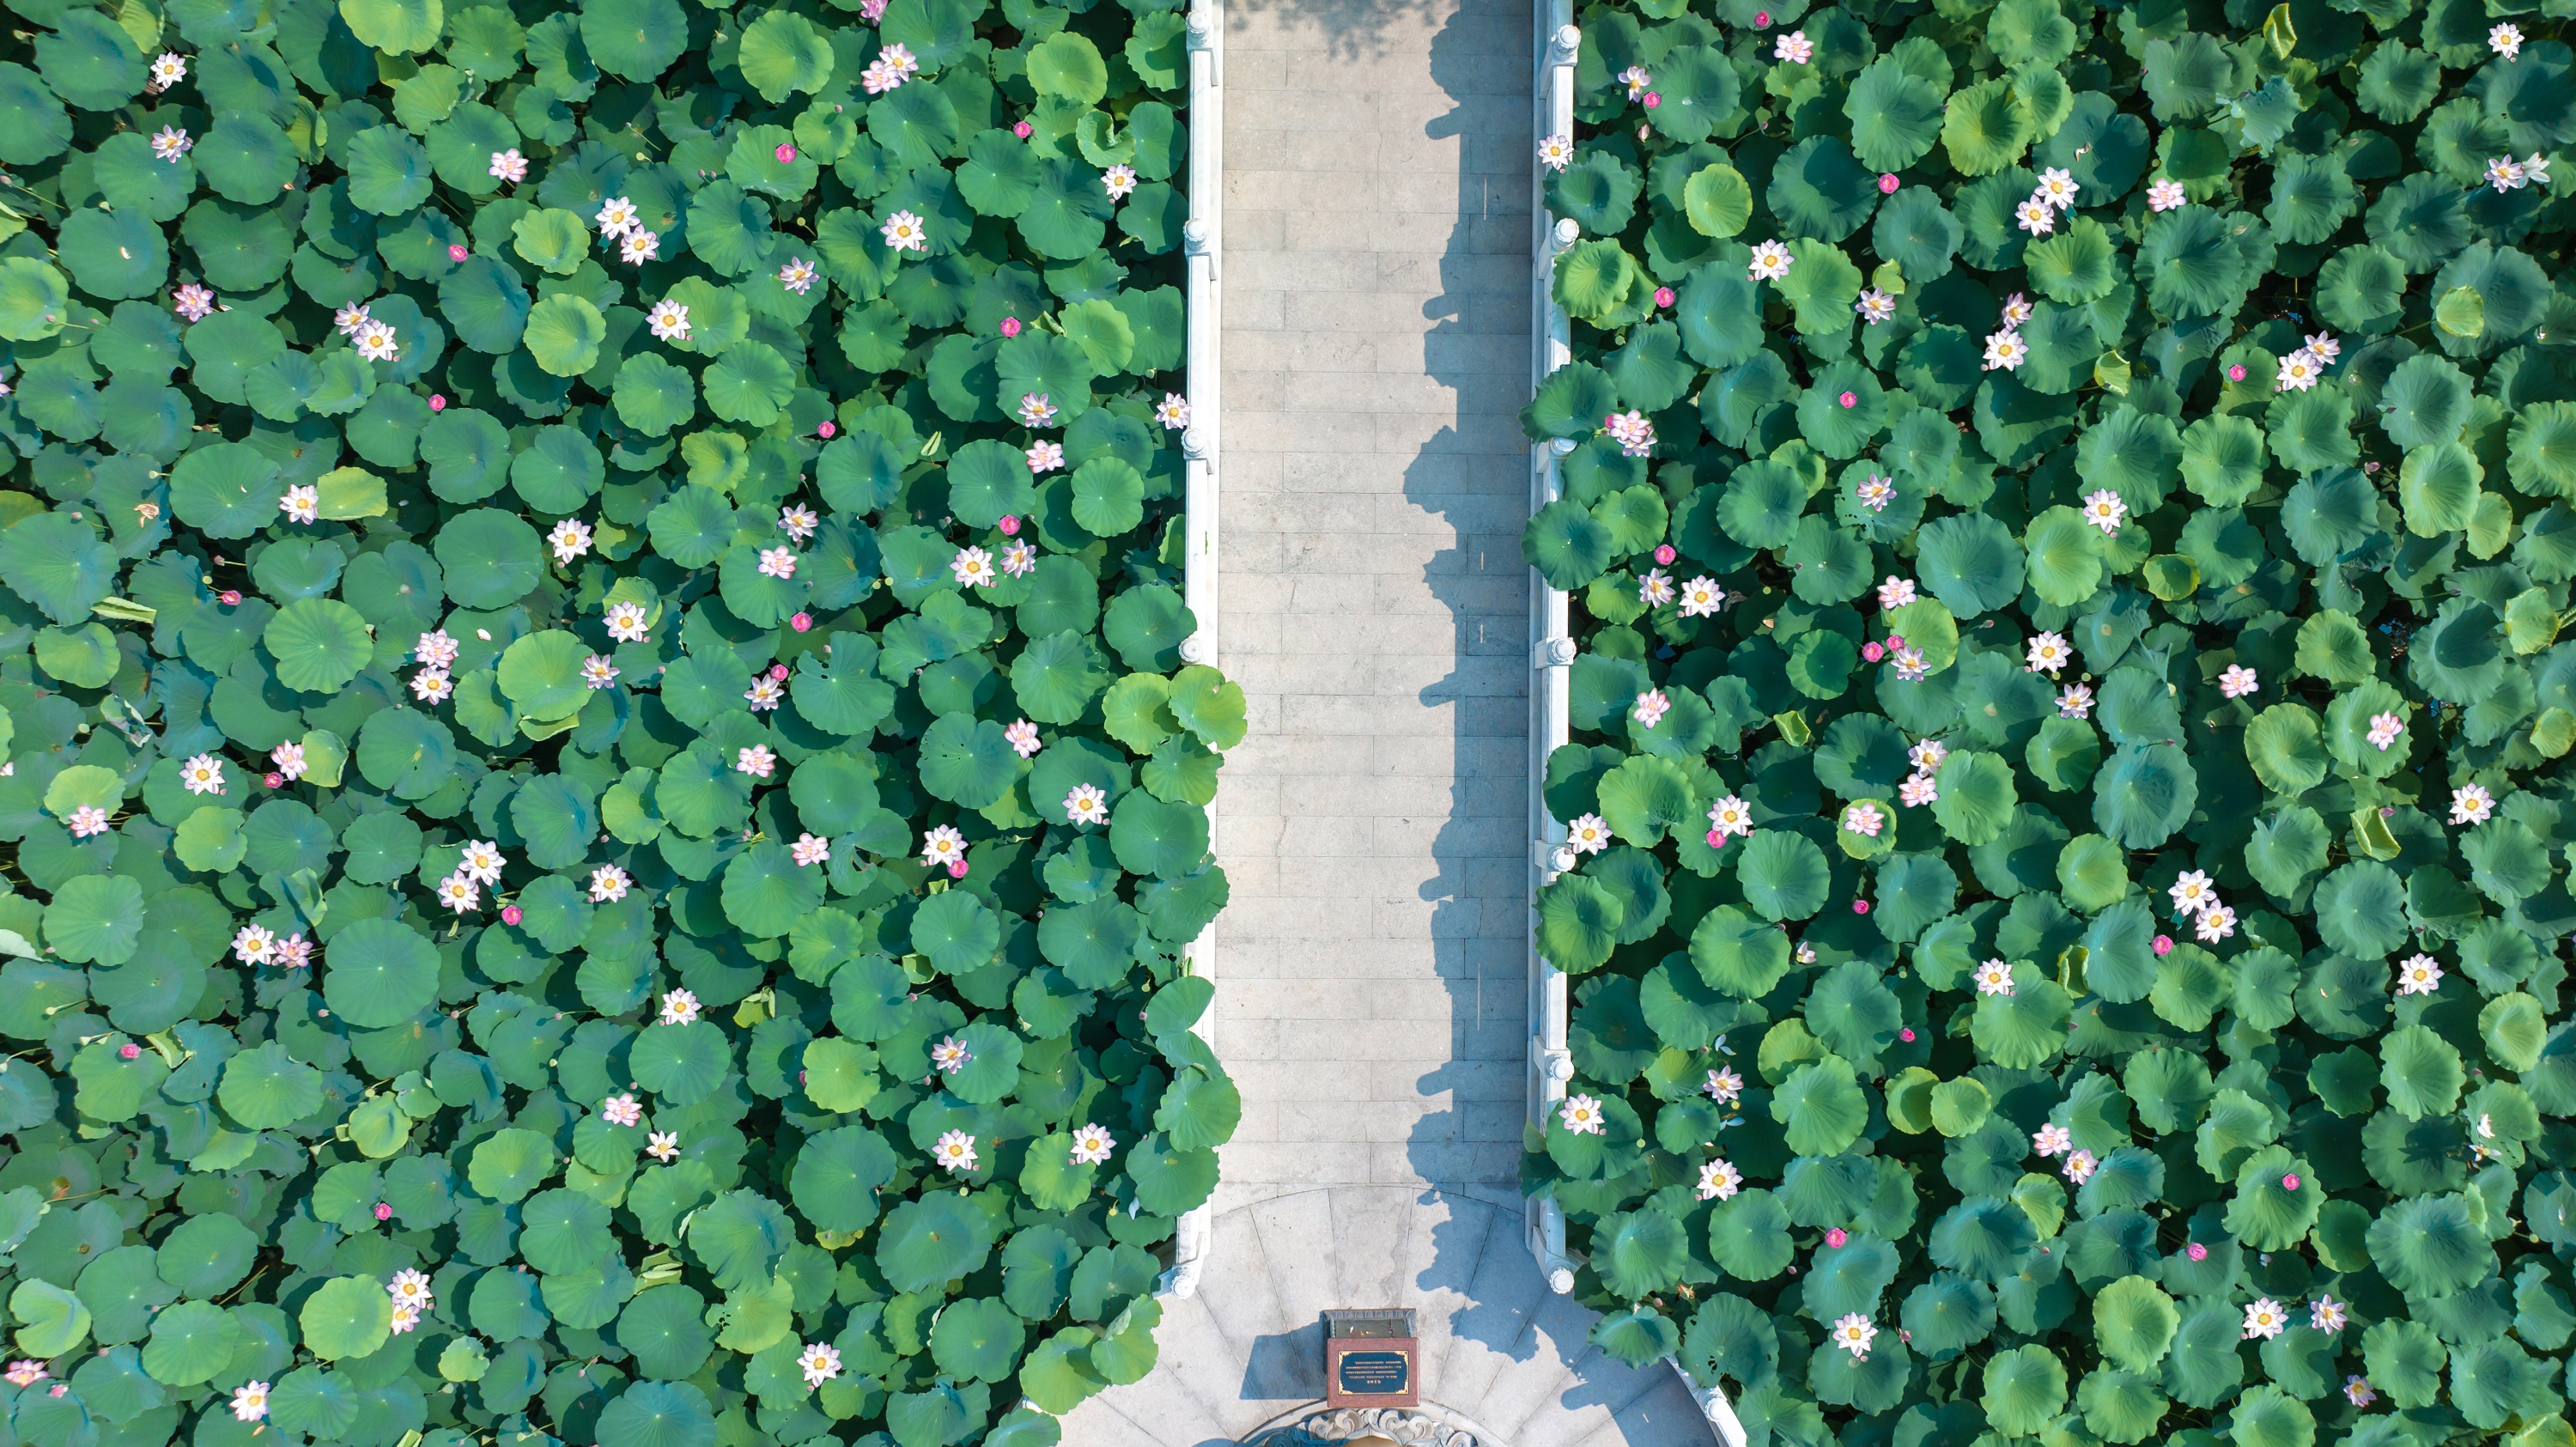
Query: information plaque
column 1369, row 1359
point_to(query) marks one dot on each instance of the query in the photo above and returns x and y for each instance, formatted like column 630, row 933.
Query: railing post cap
column 1194, row 443
column 1194, row 649
column 1561, row 1281
column 1195, row 236
column 1561, row 446
column 1566, row 232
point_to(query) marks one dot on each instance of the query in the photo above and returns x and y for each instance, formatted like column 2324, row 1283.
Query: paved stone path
column 1372, row 966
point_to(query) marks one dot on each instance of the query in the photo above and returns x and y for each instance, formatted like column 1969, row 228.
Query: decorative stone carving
column 1426, row 1426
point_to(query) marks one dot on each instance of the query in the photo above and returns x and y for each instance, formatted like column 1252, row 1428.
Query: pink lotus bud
column 957, row 869
column 129, row 1051
column 2236, row 373
column 1011, row 526
column 778, row 671
column 1762, row 20
column 384, row 1212
column 1906, row 1034
column 1860, row 906
column 1645, row 132
column 1010, row 326
column 825, row 429
column 802, row 622
column 785, row 153
column 1873, row 651
column 1849, row 399
column 455, row 251
column 2164, row 944
column 510, row 914
column 1895, row 640
column 1664, row 554
column 229, row 597
column 56, row 1390
column 2289, row 1183
column 2196, row 1251
column 1887, row 184
column 1023, row 130
column 1653, row 100
column 273, row 779
column 1716, row 840
column 1663, row 296
column 1836, row 1237
column 437, row 403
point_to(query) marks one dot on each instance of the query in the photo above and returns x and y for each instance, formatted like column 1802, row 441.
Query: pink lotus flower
column 1906, row 1034
column 801, row 622
column 455, row 252
column 826, row 431
column 2289, row 1183
column 384, row 1212
column 1849, row 399
column 2196, row 1251
column 1896, row 640
column 1887, row 184
column 1010, row 526
column 510, row 914
column 1663, row 296
column 230, row 597
column 1023, row 130
column 1653, row 100
column 1860, row 906
column 273, row 779
column 1664, row 555
column 129, row 1051
column 957, row 869
column 1873, row 651
column 437, row 403
column 2164, row 944
column 785, row 153
column 2236, row 373
column 1762, row 20
column 1836, row 1237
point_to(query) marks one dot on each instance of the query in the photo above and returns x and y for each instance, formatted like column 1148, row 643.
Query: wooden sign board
column 1369, row 1359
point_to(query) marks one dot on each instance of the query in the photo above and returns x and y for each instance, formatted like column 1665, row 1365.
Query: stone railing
column 1552, row 654
column 1202, row 243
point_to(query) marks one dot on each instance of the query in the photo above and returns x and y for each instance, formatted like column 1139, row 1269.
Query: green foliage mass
column 2067, row 508
column 642, row 778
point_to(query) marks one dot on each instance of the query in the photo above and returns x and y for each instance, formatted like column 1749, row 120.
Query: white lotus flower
column 608, row 884
column 1092, row 1145
column 2471, row 804
column 2237, row 681
column 1085, row 804
column 621, row 1110
column 903, row 232
column 301, row 503
column 2505, row 40
column 2216, row 923
column 669, row 321
column 377, row 343
column 168, row 69
column 1918, row 790
column 663, row 1146
column 1875, row 306
column 435, row 648
column 1581, row 1114
column 756, row 761
column 1036, row 411
column 2191, row 893
column 2035, row 216
column 2052, row 1140
column 1555, row 152
column 638, row 247
column 1044, row 456
column 1928, row 755
column 2005, row 352
column 2264, row 1319
column 170, row 143
column 482, row 861
column 1994, row 977
column 1731, row 815
column 1587, row 834
column 810, row 850
column 1701, row 597
column 2080, row 1166
column 254, row 944
column 1022, row 736
column 1853, row 1333
column 432, row 685
column 2057, row 188
column 1655, row 589
column 955, row 1152
column 250, row 1401
column 950, row 1056
column 1794, row 47
column 2164, row 195
column 1719, row 1181
column 508, row 166
column 1896, row 592
column 1651, row 706
column 1724, row 1086
column 2384, row 729
column 973, row 568
column 626, row 622
column 202, row 774
column 2076, row 701
column 797, row 276
column 2049, row 653
column 597, row 671
column 87, row 822
column 680, row 1007
column 820, row 1362
column 617, row 216
column 569, row 538
column 1876, row 492
column 1771, row 261
column 1864, row 818
column 2104, row 510
column 942, row 846
column 2418, row 974
column 1119, row 182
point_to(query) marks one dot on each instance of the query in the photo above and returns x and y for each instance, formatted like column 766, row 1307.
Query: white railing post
column 1202, row 248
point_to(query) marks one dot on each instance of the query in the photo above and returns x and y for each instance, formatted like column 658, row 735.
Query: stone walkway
column 1372, row 1002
